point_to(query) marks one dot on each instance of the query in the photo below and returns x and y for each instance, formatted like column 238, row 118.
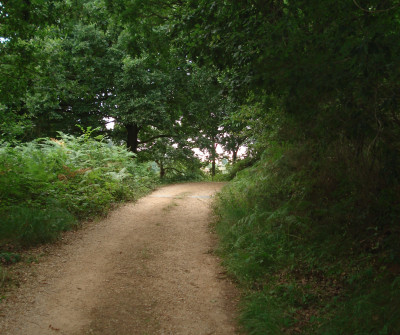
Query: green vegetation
column 309, row 223
column 312, row 259
column 310, row 230
column 49, row 185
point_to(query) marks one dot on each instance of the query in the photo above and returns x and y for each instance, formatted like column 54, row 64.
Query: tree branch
column 155, row 137
column 176, row 170
column 377, row 10
column 152, row 14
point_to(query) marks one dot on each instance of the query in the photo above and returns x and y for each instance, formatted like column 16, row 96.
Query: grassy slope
column 313, row 241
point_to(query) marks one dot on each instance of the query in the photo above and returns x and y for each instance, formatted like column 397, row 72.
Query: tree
column 65, row 69
column 330, row 71
column 74, row 80
column 139, row 100
column 20, row 22
column 174, row 158
column 204, row 115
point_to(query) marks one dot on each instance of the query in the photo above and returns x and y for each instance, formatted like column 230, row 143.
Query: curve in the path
column 146, row 269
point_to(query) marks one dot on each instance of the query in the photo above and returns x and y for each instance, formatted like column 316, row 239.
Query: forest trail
column 148, row 268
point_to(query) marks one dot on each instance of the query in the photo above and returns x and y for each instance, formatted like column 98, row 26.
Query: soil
column 148, row 268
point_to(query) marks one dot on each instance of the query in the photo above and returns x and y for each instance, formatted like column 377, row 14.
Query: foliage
column 4, row 279
column 309, row 223
column 300, row 235
column 9, row 257
column 204, row 112
column 49, row 184
column 106, row 59
column 311, row 227
column 175, row 161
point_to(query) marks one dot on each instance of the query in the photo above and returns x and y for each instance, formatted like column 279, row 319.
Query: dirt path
column 146, row 269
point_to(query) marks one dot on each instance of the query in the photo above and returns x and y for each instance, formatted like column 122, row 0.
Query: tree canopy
column 310, row 87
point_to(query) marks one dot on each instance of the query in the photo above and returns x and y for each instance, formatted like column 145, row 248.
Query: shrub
column 49, row 184
column 311, row 234
column 34, row 225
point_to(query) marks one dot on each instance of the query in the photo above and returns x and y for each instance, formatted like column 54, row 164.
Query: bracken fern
column 50, row 184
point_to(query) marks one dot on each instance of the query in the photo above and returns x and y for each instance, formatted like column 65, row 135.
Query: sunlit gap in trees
column 221, row 153
column 4, row 15
column 110, row 123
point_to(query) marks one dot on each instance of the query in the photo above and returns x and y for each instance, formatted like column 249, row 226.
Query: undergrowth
column 49, row 185
column 313, row 241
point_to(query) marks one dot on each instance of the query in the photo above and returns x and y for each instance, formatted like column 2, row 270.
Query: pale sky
column 197, row 151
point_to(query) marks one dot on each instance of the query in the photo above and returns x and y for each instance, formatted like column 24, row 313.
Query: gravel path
column 148, row 268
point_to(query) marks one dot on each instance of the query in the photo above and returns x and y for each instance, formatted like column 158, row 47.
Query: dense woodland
column 309, row 223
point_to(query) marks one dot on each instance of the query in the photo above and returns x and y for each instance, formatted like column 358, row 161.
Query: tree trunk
column 162, row 170
column 234, row 156
column 132, row 137
column 213, row 157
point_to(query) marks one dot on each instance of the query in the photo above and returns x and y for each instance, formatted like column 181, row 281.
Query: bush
column 49, row 184
column 34, row 225
column 312, row 235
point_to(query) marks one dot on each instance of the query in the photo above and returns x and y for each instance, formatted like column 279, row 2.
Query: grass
column 312, row 242
column 4, row 277
column 146, row 253
column 170, row 206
